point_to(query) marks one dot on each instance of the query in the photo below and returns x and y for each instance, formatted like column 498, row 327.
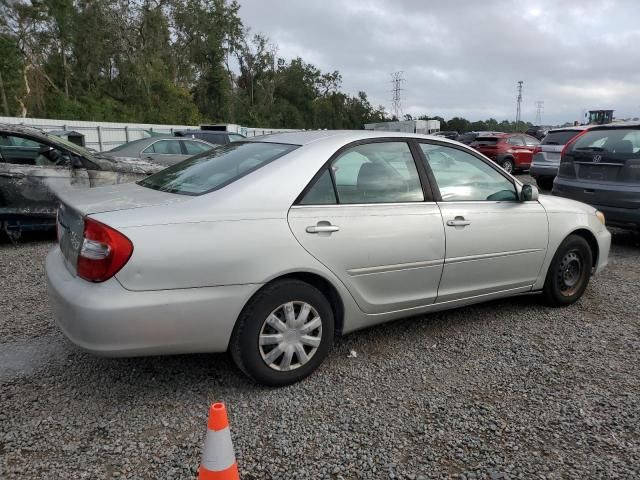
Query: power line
column 518, row 102
column 539, row 110
column 397, row 80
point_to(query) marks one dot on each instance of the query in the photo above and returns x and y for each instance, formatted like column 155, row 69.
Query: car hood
column 117, row 197
column 558, row 204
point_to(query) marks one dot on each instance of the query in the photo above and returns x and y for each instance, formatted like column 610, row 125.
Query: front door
column 366, row 219
column 494, row 242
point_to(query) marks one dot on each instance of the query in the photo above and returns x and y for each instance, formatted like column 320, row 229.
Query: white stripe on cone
column 218, row 450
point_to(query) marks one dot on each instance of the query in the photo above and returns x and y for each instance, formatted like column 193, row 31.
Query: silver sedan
column 270, row 247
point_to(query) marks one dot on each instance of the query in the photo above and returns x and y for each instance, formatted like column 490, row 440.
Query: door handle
column 458, row 222
column 322, row 227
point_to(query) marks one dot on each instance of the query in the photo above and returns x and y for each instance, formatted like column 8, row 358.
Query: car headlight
column 600, row 216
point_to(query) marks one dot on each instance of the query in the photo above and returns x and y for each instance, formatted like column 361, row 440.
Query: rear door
column 518, row 149
column 494, row 242
column 366, row 218
column 165, row 152
column 530, row 144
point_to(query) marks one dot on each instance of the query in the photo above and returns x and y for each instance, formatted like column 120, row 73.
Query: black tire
column 545, row 183
column 508, row 165
column 244, row 345
column 569, row 272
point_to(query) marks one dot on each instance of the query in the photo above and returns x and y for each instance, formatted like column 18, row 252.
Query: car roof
column 305, row 137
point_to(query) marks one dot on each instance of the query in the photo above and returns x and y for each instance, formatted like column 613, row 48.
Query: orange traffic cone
column 218, row 459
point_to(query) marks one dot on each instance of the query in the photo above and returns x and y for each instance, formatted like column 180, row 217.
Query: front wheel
column 283, row 334
column 508, row 165
column 569, row 272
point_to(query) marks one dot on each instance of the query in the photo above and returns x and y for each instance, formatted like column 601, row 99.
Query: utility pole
column 518, row 102
column 396, row 104
column 539, row 110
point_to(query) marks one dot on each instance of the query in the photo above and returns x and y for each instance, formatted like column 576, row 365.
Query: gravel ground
column 509, row 389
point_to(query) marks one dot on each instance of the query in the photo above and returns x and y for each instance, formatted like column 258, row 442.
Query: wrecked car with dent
column 36, row 167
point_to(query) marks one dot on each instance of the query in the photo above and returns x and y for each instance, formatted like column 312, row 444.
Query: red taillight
column 103, row 253
column 538, row 149
column 571, row 142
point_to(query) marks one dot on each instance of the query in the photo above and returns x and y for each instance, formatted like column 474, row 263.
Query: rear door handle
column 322, row 227
column 458, row 222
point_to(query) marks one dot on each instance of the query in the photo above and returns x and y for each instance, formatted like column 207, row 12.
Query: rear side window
column 216, row 168
column 560, row 137
column 164, row 147
column 482, row 141
column 322, row 191
column 378, row 172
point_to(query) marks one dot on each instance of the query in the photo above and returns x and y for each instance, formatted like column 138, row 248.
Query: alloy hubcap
column 570, row 273
column 290, row 336
column 507, row 166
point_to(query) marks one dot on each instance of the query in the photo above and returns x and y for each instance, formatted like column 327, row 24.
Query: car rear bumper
column 106, row 319
column 543, row 171
column 586, row 193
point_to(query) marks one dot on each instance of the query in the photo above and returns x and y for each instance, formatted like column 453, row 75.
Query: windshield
column 77, row 149
column 216, row 168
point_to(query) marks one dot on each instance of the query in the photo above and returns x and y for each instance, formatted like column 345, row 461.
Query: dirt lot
column 509, row 389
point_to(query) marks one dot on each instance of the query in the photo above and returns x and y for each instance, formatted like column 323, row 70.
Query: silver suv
column 546, row 157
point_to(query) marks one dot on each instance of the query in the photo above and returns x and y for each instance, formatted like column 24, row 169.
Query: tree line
column 167, row 61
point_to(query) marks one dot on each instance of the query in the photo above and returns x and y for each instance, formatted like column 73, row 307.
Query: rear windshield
column 216, row 168
column 616, row 142
column 559, row 137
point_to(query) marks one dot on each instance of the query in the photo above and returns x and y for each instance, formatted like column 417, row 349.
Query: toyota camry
column 271, row 247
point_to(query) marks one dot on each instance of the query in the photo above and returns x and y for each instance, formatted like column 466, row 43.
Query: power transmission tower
column 539, row 110
column 518, row 102
column 396, row 104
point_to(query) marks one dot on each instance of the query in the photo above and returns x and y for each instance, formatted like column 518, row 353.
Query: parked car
column 35, row 167
column 358, row 228
column 601, row 167
column 537, row 131
column 451, row 135
column 512, row 151
column 469, row 137
column 213, row 137
column 161, row 149
column 546, row 156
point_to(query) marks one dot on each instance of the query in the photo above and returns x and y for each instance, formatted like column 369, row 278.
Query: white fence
column 103, row 136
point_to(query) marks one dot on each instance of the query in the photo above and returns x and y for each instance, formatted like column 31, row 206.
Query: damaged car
column 36, row 167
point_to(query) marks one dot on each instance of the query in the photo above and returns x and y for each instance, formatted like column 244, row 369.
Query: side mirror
column 529, row 193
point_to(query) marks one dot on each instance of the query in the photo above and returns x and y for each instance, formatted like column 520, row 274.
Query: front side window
column 216, row 168
column 194, row 148
column 515, row 141
column 463, row 177
column 531, row 141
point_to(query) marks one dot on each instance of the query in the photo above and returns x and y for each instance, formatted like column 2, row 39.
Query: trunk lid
column 76, row 205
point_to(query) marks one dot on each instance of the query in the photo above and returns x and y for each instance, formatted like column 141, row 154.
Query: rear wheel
column 569, row 272
column 545, row 183
column 508, row 165
column 283, row 334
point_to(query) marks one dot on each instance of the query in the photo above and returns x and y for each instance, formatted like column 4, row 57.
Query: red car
column 512, row 151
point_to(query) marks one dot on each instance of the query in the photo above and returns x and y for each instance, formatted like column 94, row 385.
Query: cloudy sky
column 464, row 57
